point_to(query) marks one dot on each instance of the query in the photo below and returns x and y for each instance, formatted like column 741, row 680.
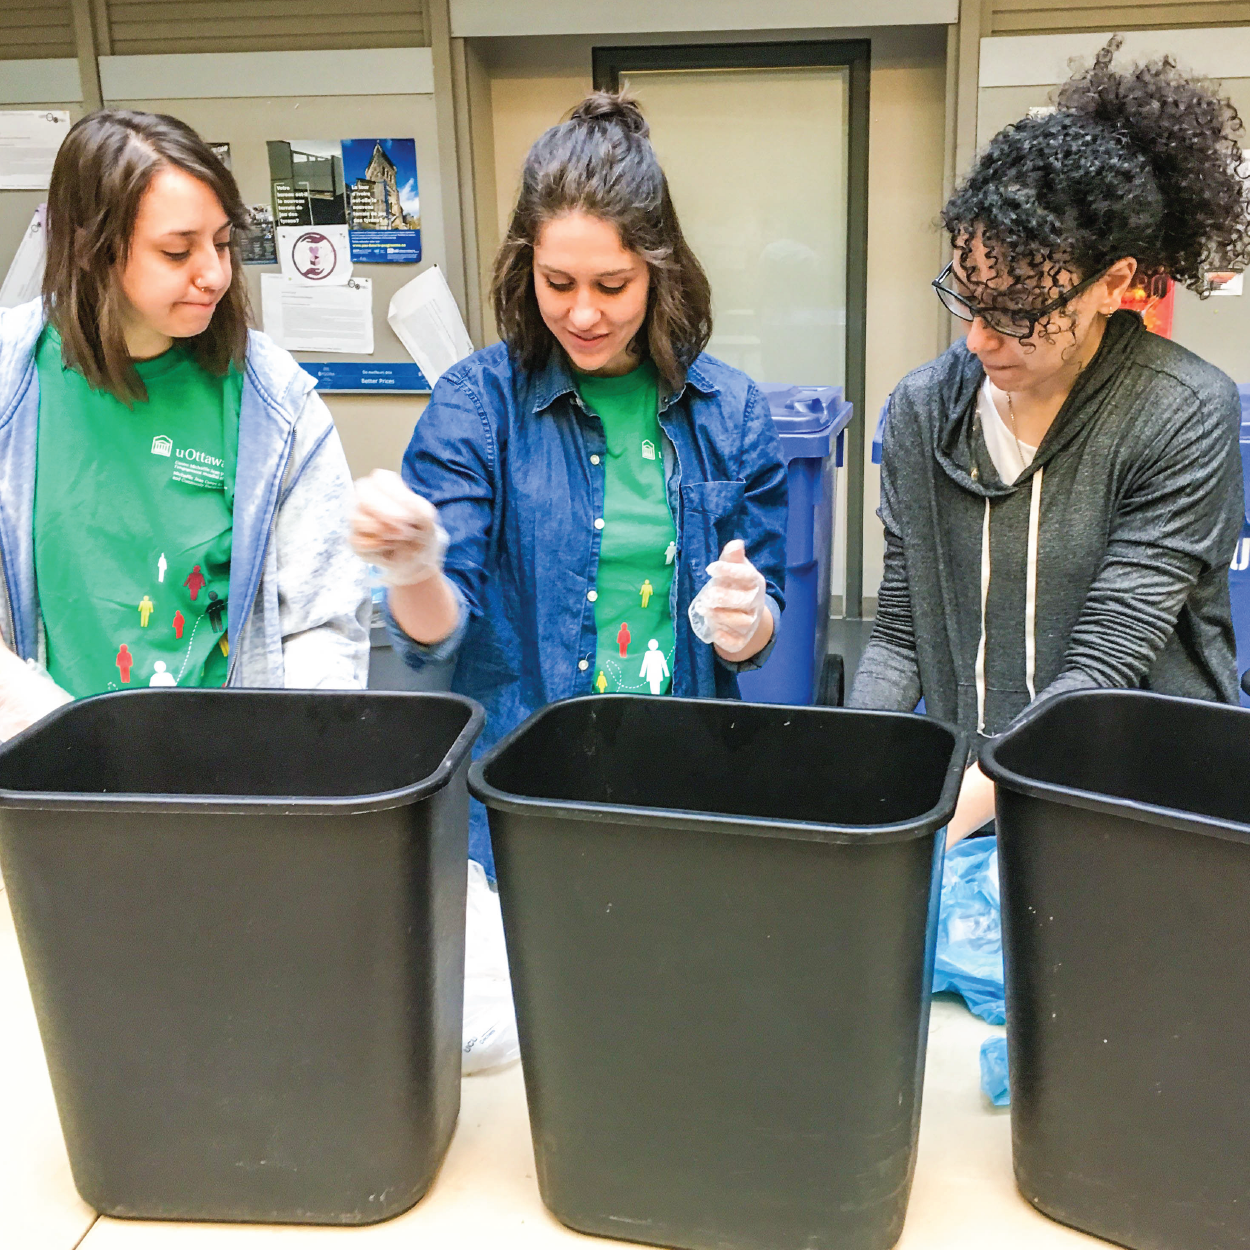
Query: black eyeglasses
column 1014, row 323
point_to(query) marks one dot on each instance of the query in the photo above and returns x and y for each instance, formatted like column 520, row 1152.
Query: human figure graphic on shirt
column 124, row 662
column 646, row 592
column 161, row 565
column 179, row 622
column 601, row 683
column 654, row 669
column 623, row 639
column 216, row 610
column 146, row 608
column 162, row 676
column 196, row 581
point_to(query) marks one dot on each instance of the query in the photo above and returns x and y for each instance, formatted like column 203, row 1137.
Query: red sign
column 1153, row 298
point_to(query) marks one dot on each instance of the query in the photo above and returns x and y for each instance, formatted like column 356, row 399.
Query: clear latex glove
column 728, row 610
column 27, row 694
column 395, row 529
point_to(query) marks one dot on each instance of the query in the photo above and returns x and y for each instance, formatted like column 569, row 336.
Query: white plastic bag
column 490, row 1036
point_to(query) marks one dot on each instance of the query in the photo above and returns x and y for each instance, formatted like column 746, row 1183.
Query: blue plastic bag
column 969, row 957
column 994, row 1071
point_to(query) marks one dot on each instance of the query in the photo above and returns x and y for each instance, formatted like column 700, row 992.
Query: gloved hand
column 728, row 610
column 394, row 528
column 27, row 694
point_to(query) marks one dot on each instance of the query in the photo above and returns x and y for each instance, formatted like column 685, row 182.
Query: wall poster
column 368, row 185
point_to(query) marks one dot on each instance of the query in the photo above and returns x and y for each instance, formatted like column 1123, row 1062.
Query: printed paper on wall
column 29, row 142
column 305, row 318
column 315, row 255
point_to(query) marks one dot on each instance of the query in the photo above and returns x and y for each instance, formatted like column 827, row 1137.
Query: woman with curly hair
column 1061, row 492
column 571, row 493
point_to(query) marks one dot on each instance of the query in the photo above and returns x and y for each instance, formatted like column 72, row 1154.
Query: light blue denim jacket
column 299, row 608
column 515, row 465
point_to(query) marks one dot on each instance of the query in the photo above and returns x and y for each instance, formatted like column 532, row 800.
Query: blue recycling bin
column 1239, row 570
column 810, row 421
column 879, row 435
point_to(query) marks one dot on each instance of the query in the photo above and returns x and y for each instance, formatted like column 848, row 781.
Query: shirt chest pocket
column 711, row 517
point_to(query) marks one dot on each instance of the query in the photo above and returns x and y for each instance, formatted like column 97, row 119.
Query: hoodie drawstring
column 985, row 594
column 1030, row 598
column 1030, row 587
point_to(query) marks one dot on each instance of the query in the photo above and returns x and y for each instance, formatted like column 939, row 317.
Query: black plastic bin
column 1124, row 848
column 720, row 921
column 242, row 919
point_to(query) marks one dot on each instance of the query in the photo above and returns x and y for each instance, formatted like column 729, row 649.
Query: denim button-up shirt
column 514, row 462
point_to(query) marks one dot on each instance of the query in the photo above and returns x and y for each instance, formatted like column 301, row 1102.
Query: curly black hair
column 1143, row 162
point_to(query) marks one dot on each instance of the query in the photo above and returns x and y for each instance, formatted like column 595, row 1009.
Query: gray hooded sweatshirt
column 1104, row 565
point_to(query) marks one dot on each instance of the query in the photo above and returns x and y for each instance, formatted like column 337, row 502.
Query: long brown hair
column 105, row 165
column 601, row 162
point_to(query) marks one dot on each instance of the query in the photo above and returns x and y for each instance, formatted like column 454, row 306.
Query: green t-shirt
column 133, row 524
column 632, row 614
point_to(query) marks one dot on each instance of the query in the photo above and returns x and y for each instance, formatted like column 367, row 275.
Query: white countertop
column 963, row 1197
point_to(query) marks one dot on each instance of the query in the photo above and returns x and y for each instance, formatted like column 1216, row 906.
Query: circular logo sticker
column 313, row 255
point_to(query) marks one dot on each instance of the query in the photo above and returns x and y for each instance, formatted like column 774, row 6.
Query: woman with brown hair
column 594, row 504
column 174, row 493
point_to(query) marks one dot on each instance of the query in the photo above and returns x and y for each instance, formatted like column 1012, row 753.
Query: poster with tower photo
column 383, row 208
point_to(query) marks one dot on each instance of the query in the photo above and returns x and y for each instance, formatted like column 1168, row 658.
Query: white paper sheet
column 25, row 277
column 29, row 142
column 305, row 318
column 425, row 318
column 1226, row 282
column 315, row 255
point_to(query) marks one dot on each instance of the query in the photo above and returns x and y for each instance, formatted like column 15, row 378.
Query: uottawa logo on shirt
column 195, row 468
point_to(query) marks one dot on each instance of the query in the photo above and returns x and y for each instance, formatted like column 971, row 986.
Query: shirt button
column 594, row 459
column 583, row 665
column 599, row 523
column 592, row 595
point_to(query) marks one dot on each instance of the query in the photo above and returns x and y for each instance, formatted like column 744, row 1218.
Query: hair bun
column 1188, row 135
column 612, row 106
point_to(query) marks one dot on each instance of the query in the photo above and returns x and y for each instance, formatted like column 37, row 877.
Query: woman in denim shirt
column 593, row 504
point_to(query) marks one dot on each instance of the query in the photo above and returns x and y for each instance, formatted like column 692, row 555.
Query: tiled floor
column 963, row 1197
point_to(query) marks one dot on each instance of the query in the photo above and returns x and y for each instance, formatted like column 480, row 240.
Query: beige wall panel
column 906, row 152
column 695, row 19
column 1019, row 17
column 375, row 429
column 1000, row 106
column 32, row 83
column 1217, row 329
column 485, row 199
column 36, row 28
column 137, row 27
column 523, row 108
column 16, row 210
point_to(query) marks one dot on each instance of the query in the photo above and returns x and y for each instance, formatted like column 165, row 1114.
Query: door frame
column 609, row 63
